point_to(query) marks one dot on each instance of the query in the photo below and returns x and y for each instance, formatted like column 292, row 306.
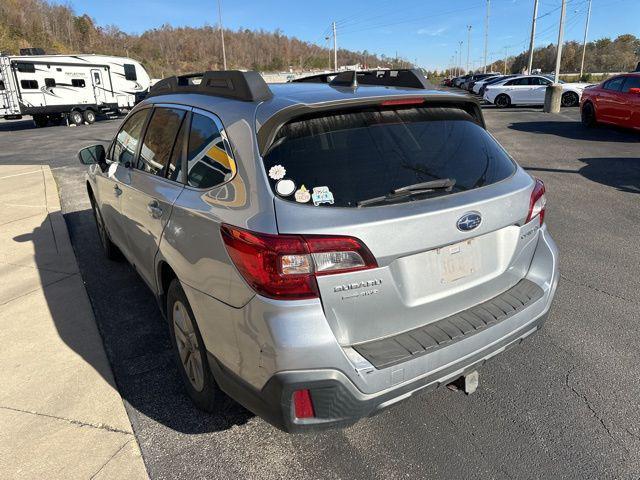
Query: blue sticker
column 321, row 195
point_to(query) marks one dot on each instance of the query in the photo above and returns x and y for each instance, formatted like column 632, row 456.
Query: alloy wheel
column 187, row 343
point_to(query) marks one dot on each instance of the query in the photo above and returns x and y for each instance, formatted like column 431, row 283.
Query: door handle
column 154, row 209
column 117, row 191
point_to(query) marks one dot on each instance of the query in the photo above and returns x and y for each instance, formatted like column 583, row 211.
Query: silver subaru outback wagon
column 325, row 248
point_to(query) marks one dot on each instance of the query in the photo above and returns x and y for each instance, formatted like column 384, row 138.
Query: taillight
column 285, row 266
column 302, row 404
column 538, row 202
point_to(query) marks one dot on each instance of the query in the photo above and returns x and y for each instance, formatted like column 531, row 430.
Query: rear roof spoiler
column 245, row 86
column 269, row 129
column 408, row 78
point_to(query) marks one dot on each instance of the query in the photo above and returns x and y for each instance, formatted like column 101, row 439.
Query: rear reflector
column 403, row 101
column 285, row 267
column 303, row 406
column 538, row 202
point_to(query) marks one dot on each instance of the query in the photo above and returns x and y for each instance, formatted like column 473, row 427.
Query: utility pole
column 460, row 55
column 563, row 13
column 486, row 36
column 533, row 34
column 584, row 43
column 468, row 44
column 455, row 61
column 329, row 49
column 224, row 55
column 335, row 48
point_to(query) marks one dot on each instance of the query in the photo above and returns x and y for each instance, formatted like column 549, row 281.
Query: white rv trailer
column 76, row 87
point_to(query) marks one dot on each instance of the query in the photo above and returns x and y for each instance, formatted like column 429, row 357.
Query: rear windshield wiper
column 410, row 191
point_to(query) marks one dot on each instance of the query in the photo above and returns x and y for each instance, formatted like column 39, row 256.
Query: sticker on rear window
column 302, row 195
column 322, row 195
column 285, row 187
column 277, row 172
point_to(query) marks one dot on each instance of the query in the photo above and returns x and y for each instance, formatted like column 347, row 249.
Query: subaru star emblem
column 469, row 221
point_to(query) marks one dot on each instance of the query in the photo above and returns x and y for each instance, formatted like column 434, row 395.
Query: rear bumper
column 345, row 386
column 337, row 401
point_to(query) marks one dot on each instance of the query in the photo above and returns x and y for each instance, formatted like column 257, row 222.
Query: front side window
column 209, row 162
column 126, row 143
column 77, row 82
column 361, row 155
column 615, row 84
column 130, row 72
column 631, row 82
column 29, row 84
column 159, row 140
column 26, row 67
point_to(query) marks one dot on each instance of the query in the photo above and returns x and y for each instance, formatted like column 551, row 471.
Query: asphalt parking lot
column 565, row 404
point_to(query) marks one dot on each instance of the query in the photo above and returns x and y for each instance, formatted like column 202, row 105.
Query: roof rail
column 411, row 78
column 245, row 86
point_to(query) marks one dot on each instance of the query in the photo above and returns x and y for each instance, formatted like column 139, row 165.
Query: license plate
column 457, row 261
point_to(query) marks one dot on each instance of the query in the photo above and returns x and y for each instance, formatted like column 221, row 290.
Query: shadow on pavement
column 618, row 172
column 576, row 131
column 14, row 125
column 134, row 334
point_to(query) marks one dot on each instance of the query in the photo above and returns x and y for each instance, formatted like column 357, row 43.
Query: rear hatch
column 446, row 246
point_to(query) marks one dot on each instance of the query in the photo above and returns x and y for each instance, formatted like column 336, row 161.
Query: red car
column 615, row 101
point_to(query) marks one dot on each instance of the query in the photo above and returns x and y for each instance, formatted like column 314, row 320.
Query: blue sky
column 423, row 31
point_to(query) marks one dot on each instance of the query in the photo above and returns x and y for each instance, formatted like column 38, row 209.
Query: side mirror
column 93, row 154
column 635, row 90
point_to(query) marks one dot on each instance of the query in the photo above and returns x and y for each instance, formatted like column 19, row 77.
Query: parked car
column 322, row 251
column 530, row 90
column 468, row 85
column 493, row 81
column 447, row 82
column 458, row 81
column 615, row 101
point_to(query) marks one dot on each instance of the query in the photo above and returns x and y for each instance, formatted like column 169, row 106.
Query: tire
column 588, row 115
column 191, row 354
column 40, row 121
column 569, row 99
column 89, row 116
column 108, row 247
column 502, row 101
column 76, row 117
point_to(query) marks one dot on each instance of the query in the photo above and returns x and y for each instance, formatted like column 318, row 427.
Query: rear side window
column 614, row 84
column 209, row 161
column 29, row 84
column 126, row 143
column 130, row 72
column 365, row 154
column 159, row 140
column 631, row 82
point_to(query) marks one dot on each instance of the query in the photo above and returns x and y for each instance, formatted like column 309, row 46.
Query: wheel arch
column 165, row 274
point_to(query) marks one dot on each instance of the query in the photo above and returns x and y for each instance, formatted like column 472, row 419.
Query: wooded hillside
column 166, row 50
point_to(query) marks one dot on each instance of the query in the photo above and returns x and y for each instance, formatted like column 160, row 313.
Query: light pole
column 224, row 55
column 460, row 55
column 584, row 43
column 468, row 45
column 335, row 48
column 533, row 34
column 563, row 13
column 486, row 36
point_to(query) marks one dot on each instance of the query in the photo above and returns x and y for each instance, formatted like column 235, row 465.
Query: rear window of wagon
column 358, row 155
